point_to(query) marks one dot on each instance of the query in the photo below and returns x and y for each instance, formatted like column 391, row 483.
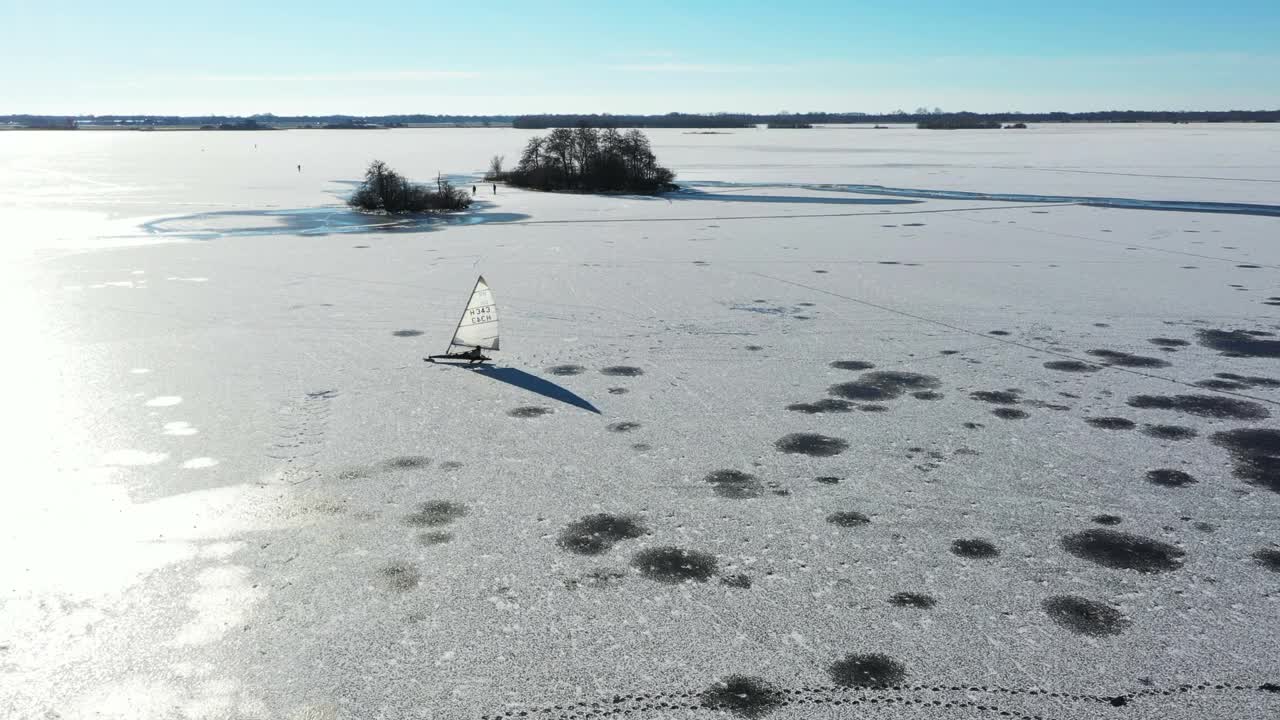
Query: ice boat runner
column 478, row 328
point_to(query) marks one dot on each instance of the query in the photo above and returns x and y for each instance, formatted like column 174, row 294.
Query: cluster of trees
column 587, row 159
column 387, row 190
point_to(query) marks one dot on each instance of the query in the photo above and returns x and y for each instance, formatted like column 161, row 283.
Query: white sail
column 478, row 327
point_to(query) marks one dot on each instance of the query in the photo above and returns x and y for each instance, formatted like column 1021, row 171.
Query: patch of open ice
column 189, row 279
column 180, row 427
column 164, row 401
column 199, row 463
column 140, row 371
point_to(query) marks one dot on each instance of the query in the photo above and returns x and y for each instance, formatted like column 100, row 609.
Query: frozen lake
column 779, row 445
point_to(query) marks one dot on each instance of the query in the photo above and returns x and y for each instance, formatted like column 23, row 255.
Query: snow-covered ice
column 750, row 445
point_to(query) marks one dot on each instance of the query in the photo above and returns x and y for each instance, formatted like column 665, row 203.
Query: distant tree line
column 387, row 190
column 958, row 121
column 668, row 120
column 587, row 159
column 741, row 120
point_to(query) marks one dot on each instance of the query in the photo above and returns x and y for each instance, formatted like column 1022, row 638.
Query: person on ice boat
column 477, row 330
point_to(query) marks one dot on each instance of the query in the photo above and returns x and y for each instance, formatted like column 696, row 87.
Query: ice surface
column 354, row 533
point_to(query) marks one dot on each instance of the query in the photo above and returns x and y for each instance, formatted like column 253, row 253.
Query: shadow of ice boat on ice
column 534, row 384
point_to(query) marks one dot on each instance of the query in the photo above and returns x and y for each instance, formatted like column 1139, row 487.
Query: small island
column 385, row 190
column 587, row 160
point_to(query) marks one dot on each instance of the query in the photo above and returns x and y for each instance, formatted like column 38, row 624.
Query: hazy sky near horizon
column 494, row 57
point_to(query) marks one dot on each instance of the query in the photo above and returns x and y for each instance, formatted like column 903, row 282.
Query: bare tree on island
column 386, row 190
column 586, row 159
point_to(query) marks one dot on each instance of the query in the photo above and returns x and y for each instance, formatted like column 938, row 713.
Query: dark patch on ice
column 825, row 405
column 1167, row 342
column 1071, row 366
column 852, row 365
column 912, row 224
column 1124, row 359
column 1214, row 406
column 596, row 534
column 622, row 427
column 975, row 549
column 1169, row 432
column 848, row 518
column 821, row 272
column 996, row 397
column 618, row 391
column 1250, row 267
column 927, row 395
column 1123, row 551
column 973, row 425
column 742, row 582
column 867, row 670
column 913, row 600
column 827, row 480
column 400, row 576
column 873, row 408
column 735, row 484
column 742, row 695
column 435, row 537
column 407, row 333
column 801, row 317
column 674, row 565
column 1006, row 413
column 998, row 332
column 408, row 462
column 884, row 385
column 436, row 512
column 450, row 465
column 1255, row 455
column 1170, row 478
column 811, row 444
column 322, row 395
column 860, row 391
column 566, row 370
column 529, row 411
column 755, row 348
column 1268, row 558
column 642, row 447
column 1219, row 384
column 1085, row 617
column 889, row 262
column 948, row 352
column 806, row 304
column 1111, row 423
column 622, row 371
column 354, row 474
column 1249, row 380
column 1238, row 343
column 1106, row 519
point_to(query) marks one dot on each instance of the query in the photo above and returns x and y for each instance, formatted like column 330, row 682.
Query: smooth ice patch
column 189, row 279
column 139, row 371
column 179, row 428
column 133, row 457
column 164, row 401
column 199, row 463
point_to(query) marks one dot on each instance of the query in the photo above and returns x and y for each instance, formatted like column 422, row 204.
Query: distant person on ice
column 473, row 189
column 495, row 188
column 299, row 168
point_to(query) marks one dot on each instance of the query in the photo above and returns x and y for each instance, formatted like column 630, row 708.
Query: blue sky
column 490, row 56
